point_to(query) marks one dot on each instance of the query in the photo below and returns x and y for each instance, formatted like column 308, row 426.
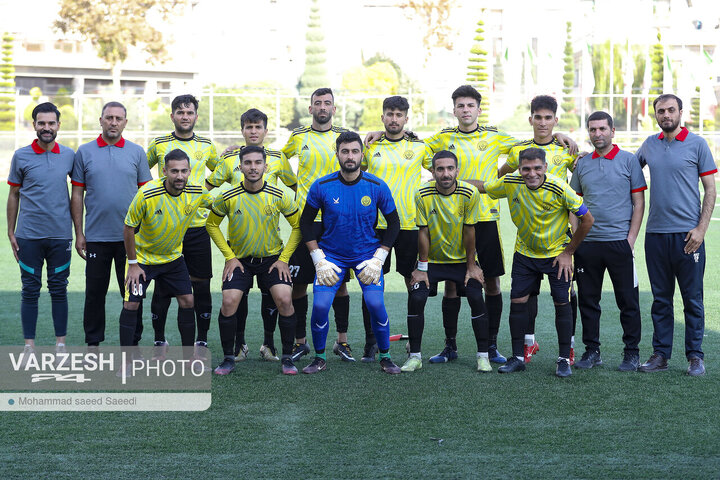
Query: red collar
column 38, row 149
column 102, row 143
column 610, row 155
column 680, row 136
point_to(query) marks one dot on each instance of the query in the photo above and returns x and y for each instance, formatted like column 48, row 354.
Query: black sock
column 563, row 323
column 301, row 307
column 241, row 315
column 186, row 325
column 450, row 312
column 227, row 326
column 518, row 326
column 478, row 317
column 532, row 304
column 137, row 336
column 203, row 308
column 341, row 307
column 128, row 323
column 494, row 305
column 416, row 317
column 159, row 306
column 287, row 333
column 369, row 335
column 574, row 311
column 269, row 313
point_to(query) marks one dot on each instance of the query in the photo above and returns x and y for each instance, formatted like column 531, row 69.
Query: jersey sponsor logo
column 546, row 206
column 336, row 201
column 238, row 212
column 268, row 210
column 158, row 211
column 557, row 160
column 433, row 212
column 409, row 154
column 377, row 155
column 198, row 155
column 236, row 169
column 365, row 201
column 188, row 209
column 516, row 200
column 482, row 145
column 305, row 147
column 451, row 147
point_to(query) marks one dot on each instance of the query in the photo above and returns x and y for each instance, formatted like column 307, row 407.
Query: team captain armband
column 581, row 211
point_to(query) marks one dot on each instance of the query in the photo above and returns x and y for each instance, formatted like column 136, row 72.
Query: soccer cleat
column 242, row 353
column 589, row 359
column 513, row 364
column 447, row 355
column 288, row 367
column 630, row 363
column 159, row 351
column 388, row 366
column 299, row 350
column 269, row 354
column 483, row 365
column 227, row 366
column 495, row 356
column 317, row 365
column 412, row 364
column 563, row 368
column 572, row 356
column 343, row 351
column 531, row 350
column 371, row 349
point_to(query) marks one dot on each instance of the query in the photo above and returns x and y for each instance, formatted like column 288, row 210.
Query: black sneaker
column 343, row 351
column 317, row 365
column 589, row 359
column 369, row 353
column 288, row 367
column 227, row 366
column 299, row 350
column 388, row 366
column 563, row 368
column 513, row 364
column 630, row 363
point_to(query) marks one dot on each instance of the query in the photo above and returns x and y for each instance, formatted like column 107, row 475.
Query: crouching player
column 349, row 200
column 447, row 211
column 254, row 249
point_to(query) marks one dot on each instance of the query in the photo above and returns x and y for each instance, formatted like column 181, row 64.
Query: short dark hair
column 322, row 91
column 176, row 154
column 542, row 102
column 347, row 137
column 396, row 103
column 182, row 100
column 253, row 116
column 113, row 104
column 668, row 96
column 444, row 154
column 46, row 107
column 532, row 154
column 599, row 115
column 466, row 91
column 252, row 149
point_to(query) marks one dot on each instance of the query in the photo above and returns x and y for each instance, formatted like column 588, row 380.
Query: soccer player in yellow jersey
column 253, row 208
column 314, row 147
column 196, row 244
column 543, row 118
column 161, row 212
column 447, row 211
column 539, row 204
column 254, row 129
column 397, row 160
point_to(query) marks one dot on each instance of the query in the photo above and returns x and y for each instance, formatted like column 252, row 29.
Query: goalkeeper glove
column 324, row 269
column 370, row 270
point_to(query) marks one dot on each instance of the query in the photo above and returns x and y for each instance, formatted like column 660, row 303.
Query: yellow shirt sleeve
column 213, row 228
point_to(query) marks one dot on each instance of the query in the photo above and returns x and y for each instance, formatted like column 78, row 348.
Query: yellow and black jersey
column 477, row 153
column 558, row 158
column 399, row 163
column 277, row 168
column 445, row 216
column 161, row 219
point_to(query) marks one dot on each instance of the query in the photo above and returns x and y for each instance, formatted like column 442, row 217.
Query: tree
column 435, row 14
column 112, row 27
column 657, row 59
column 477, row 74
column 315, row 74
column 7, row 85
column 364, row 113
column 570, row 119
column 603, row 84
column 695, row 115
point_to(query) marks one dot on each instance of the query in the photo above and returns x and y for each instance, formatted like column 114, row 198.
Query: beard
column 45, row 133
column 346, row 169
column 671, row 127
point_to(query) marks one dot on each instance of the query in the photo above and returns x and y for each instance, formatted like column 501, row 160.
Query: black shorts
column 527, row 273
column 173, row 275
column 302, row 268
column 255, row 267
column 489, row 249
column 406, row 250
column 448, row 272
column 197, row 252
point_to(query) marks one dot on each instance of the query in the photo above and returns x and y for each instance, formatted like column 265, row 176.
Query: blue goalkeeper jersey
column 350, row 214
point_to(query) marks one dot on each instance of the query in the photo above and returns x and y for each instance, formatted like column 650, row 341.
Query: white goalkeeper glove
column 324, row 269
column 370, row 270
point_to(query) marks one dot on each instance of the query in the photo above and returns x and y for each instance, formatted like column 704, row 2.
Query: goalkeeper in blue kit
column 349, row 200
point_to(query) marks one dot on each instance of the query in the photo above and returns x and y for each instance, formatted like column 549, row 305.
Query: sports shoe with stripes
column 317, row 365
column 343, row 351
column 299, row 350
column 225, row 367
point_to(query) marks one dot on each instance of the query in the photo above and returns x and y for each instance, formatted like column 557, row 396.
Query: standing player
column 161, row 212
column 543, row 118
column 398, row 161
column 110, row 169
column 539, row 204
column 612, row 185
column 447, row 211
column 350, row 200
column 253, row 208
column 254, row 129
column 675, row 231
column 39, row 202
column 196, row 244
column 314, row 147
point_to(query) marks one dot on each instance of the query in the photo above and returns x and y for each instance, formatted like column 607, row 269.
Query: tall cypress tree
column 477, row 74
column 657, row 59
column 569, row 118
column 7, row 85
column 315, row 74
